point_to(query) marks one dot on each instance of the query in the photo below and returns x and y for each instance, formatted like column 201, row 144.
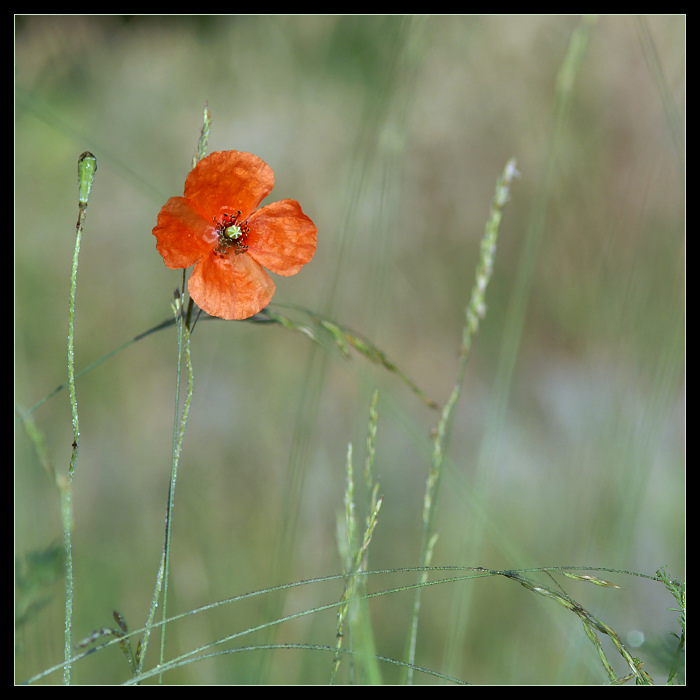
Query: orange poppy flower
column 218, row 228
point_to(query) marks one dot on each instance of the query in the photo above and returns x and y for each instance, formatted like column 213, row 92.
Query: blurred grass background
column 390, row 132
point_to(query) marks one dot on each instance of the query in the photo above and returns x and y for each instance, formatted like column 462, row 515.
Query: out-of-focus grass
column 390, row 131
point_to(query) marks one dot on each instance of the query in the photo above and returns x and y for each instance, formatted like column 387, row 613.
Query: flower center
column 232, row 234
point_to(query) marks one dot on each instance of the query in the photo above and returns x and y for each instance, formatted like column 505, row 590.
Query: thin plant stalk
column 178, row 437
column 179, row 434
column 353, row 605
column 182, row 321
column 87, row 166
column 475, row 311
column 516, row 314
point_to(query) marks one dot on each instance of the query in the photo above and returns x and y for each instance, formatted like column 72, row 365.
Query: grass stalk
column 516, row 314
column 353, row 605
column 475, row 311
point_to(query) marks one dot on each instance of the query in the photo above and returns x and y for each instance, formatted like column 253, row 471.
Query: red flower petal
column 230, row 286
column 198, row 229
column 282, row 238
column 227, row 180
column 183, row 235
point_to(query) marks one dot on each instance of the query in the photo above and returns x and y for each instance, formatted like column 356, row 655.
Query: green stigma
column 233, row 232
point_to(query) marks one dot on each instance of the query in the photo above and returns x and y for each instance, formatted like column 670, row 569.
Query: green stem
column 183, row 348
column 87, row 166
column 178, row 436
column 474, row 312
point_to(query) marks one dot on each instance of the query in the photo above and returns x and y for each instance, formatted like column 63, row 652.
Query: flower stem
column 183, row 342
column 183, row 349
column 178, row 436
column 87, row 166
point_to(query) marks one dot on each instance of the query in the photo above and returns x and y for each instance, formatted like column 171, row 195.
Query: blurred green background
column 390, row 132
